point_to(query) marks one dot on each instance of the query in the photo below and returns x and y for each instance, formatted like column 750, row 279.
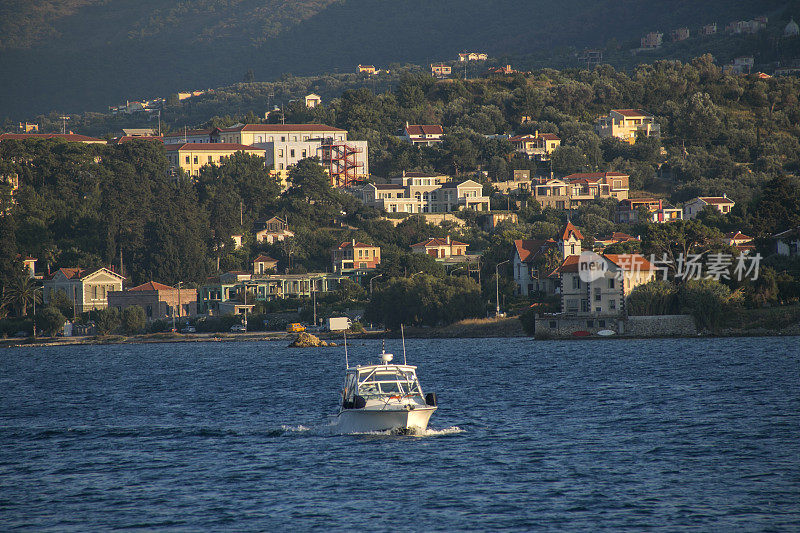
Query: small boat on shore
column 383, row 397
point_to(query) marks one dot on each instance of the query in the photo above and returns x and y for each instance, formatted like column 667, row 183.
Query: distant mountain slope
column 72, row 55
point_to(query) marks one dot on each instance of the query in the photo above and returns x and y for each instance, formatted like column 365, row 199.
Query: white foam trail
column 414, row 432
column 296, row 429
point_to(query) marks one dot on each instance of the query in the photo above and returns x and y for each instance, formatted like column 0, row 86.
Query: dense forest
column 87, row 54
column 85, row 205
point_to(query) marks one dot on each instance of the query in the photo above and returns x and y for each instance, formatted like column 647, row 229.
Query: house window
column 598, row 295
column 280, row 153
column 280, row 166
column 187, row 159
column 149, row 311
column 590, row 323
column 553, row 324
column 283, row 139
column 612, row 304
column 94, row 292
column 291, row 153
column 195, row 160
column 576, row 282
column 601, row 323
column 210, row 159
column 303, row 153
column 572, row 249
column 611, row 282
column 585, row 306
column 572, row 306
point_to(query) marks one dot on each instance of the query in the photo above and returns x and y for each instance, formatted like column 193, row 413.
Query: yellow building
column 250, row 134
column 191, row 157
column 626, row 124
column 539, row 145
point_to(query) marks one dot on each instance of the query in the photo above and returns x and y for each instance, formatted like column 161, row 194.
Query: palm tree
column 20, row 292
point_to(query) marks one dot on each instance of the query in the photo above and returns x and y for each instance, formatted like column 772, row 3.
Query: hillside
column 72, row 55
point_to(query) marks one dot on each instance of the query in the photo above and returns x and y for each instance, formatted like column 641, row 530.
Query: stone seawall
column 660, row 326
column 561, row 327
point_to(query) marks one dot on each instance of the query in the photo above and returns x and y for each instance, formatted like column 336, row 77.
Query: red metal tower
column 342, row 161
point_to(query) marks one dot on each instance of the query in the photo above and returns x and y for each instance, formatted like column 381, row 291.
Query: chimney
column 537, row 133
column 354, row 243
column 448, row 239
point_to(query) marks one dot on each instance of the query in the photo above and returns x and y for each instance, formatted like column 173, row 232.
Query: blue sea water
column 616, row 435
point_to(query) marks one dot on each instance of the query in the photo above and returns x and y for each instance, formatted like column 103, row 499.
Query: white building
column 626, row 124
column 422, row 134
column 425, row 194
column 693, row 207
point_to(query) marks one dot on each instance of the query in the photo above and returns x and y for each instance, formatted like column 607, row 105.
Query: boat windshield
column 392, row 382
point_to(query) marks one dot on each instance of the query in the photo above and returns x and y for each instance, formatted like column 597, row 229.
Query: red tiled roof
column 738, row 236
column 427, row 129
column 282, row 127
column 210, row 147
column 630, row 261
column 128, row 138
column 621, row 237
column 716, row 200
column 349, row 244
column 585, row 175
column 66, row 136
column 632, row 112
column 571, row 229
column 264, row 259
column 529, row 249
column 71, row 273
column 152, row 286
column 422, row 175
column 189, row 132
column 570, row 264
column 437, row 241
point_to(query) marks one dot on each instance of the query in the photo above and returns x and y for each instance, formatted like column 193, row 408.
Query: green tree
column 21, row 292
column 706, row 299
column 50, row 320
column 349, row 291
column 133, row 320
column 106, row 320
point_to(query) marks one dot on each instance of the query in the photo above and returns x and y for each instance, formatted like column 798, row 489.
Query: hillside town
column 425, row 212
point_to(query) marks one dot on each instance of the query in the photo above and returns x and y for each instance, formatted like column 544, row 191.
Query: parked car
column 238, row 328
column 189, row 329
column 295, row 327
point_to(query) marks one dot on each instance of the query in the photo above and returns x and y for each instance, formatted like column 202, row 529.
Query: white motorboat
column 383, row 397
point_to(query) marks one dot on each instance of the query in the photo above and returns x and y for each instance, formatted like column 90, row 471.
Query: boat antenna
column 346, row 363
column 403, row 336
column 383, row 345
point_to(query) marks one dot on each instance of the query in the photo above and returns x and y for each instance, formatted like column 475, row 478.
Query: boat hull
column 372, row 420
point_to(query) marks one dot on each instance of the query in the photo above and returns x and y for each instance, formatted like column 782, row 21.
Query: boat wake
column 413, row 432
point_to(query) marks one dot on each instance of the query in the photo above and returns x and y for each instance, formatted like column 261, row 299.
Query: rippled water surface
column 657, row 435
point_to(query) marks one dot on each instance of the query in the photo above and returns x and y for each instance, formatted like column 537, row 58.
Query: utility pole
column 245, row 307
column 179, row 303
column 497, row 285
column 314, row 299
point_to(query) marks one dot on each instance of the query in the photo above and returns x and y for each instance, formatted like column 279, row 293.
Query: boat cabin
column 381, row 382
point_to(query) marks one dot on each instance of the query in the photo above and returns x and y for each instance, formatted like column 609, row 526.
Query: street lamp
column 370, row 283
column 34, row 307
column 497, row 285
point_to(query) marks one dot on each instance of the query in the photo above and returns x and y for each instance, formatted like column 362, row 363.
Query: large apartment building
column 425, row 193
column 571, row 191
column 627, row 124
column 191, row 157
